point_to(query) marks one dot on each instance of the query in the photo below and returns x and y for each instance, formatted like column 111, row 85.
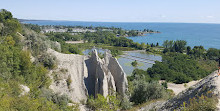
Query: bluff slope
column 78, row 76
column 209, row 83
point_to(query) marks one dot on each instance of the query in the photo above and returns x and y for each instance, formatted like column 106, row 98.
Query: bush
column 164, row 84
column 101, row 56
column 101, row 103
column 116, row 52
column 125, row 104
column 134, row 63
column 48, row 60
column 68, row 81
column 144, row 91
column 202, row 103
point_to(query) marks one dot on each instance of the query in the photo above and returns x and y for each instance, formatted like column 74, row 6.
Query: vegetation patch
column 206, row 102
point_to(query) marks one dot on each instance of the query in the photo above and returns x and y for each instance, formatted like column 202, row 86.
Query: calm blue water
column 207, row 35
column 128, row 68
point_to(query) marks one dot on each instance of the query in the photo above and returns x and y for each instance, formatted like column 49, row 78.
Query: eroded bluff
column 78, row 76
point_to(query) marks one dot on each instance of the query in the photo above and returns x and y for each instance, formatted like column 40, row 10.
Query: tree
column 157, row 44
column 213, row 54
column 174, row 46
column 4, row 15
column 134, row 63
column 170, row 43
column 166, row 44
column 142, row 45
column 11, row 26
column 180, row 45
column 188, row 50
column 197, row 51
column 152, row 45
column 178, row 68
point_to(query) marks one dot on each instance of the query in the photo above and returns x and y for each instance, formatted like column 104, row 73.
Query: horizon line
column 115, row 21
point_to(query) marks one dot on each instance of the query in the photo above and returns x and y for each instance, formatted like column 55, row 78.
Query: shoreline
column 144, row 34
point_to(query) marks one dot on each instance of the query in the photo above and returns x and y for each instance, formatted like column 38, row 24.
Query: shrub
column 134, row 63
column 144, row 91
column 202, row 103
column 64, row 70
column 110, row 103
column 101, row 56
column 164, row 84
column 125, row 104
column 56, row 46
column 60, row 100
column 99, row 103
column 48, row 60
column 68, row 81
column 37, row 43
column 116, row 52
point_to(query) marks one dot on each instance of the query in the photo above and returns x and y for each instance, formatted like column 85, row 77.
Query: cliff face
column 105, row 75
column 78, row 76
column 68, row 77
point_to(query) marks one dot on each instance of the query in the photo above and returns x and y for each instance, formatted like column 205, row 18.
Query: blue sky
column 190, row 11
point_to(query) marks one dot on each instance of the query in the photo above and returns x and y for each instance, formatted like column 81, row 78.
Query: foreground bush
column 144, row 91
column 202, row 103
column 48, row 60
column 110, row 103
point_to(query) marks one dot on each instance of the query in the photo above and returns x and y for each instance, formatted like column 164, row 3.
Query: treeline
column 197, row 52
column 177, row 68
column 181, row 64
column 17, row 46
column 103, row 35
column 99, row 37
column 116, row 31
column 60, row 37
column 33, row 27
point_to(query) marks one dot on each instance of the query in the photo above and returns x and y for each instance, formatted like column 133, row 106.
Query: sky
column 185, row 11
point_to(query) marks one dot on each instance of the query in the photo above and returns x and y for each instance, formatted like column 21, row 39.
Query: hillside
column 40, row 71
column 209, row 84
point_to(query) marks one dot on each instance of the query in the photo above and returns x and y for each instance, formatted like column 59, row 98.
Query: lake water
column 207, row 35
column 126, row 62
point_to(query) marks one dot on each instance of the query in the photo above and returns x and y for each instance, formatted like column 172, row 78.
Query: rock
column 88, row 75
column 152, row 106
column 118, row 75
column 209, row 83
column 72, row 67
column 107, row 73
